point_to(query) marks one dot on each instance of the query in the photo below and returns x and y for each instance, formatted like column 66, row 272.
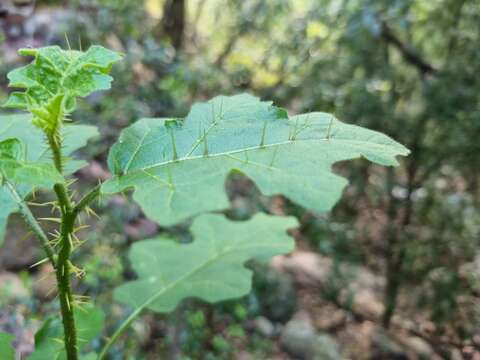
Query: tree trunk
column 173, row 22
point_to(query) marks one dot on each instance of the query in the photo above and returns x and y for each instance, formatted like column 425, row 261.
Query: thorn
column 174, row 146
column 329, row 128
column 91, row 212
column 26, row 236
column 43, row 261
column 220, row 116
column 55, row 220
column 81, row 227
column 213, row 112
column 70, row 240
column 80, row 219
column 264, row 130
column 46, row 276
column 60, row 341
column 79, row 304
column 68, row 42
column 80, row 273
column 71, row 182
column 205, row 144
column 40, row 204
column 68, row 303
column 49, row 292
column 274, row 155
column 170, row 179
column 294, row 136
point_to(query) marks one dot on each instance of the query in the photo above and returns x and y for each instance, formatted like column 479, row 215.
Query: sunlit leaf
column 177, row 167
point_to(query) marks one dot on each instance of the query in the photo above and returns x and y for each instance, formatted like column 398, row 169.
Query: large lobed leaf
column 177, row 167
column 35, row 151
column 211, row 268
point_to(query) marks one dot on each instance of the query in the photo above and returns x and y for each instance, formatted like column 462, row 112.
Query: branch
column 32, row 223
column 242, row 28
column 126, row 323
column 87, row 199
column 407, row 52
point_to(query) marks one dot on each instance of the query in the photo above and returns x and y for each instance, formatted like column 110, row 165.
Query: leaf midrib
column 207, row 263
column 249, row 149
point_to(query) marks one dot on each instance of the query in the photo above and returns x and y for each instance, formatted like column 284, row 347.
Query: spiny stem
column 63, row 272
column 63, row 269
column 87, row 200
column 32, row 223
column 56, row 147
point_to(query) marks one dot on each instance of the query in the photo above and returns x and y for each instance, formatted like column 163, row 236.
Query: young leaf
column 49, row 339
column 60, row 72
column 6, row 349
column 211, row 268
column 54, row 80
column 20, row 127
column 178, row 167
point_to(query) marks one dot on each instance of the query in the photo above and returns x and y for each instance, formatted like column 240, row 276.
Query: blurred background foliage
column 392, row 272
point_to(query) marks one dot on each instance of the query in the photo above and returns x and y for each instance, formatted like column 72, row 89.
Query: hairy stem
column 63, row 272
column 63, row 269
column 32, row 223
column 56, row 147
column 87, row 199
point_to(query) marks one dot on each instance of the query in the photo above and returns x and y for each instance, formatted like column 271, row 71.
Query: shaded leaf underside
column 211, row 268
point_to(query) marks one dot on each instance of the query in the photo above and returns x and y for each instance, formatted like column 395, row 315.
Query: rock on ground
column 300, row 339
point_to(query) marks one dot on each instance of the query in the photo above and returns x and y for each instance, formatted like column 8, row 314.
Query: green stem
column 63, row 269
column 63, row 272
column 32, row 223
column 56, row 148
column 128, row 321
column 87, row 199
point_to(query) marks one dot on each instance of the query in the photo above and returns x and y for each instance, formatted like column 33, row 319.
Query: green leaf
column 35, row 151
column 177, row 168
column 6, row 349
column 211, row 268
column 50, row 116
column 18, row 171
column 49, row 339
column 55, row 71
column 54, row 80
column 11, row 149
